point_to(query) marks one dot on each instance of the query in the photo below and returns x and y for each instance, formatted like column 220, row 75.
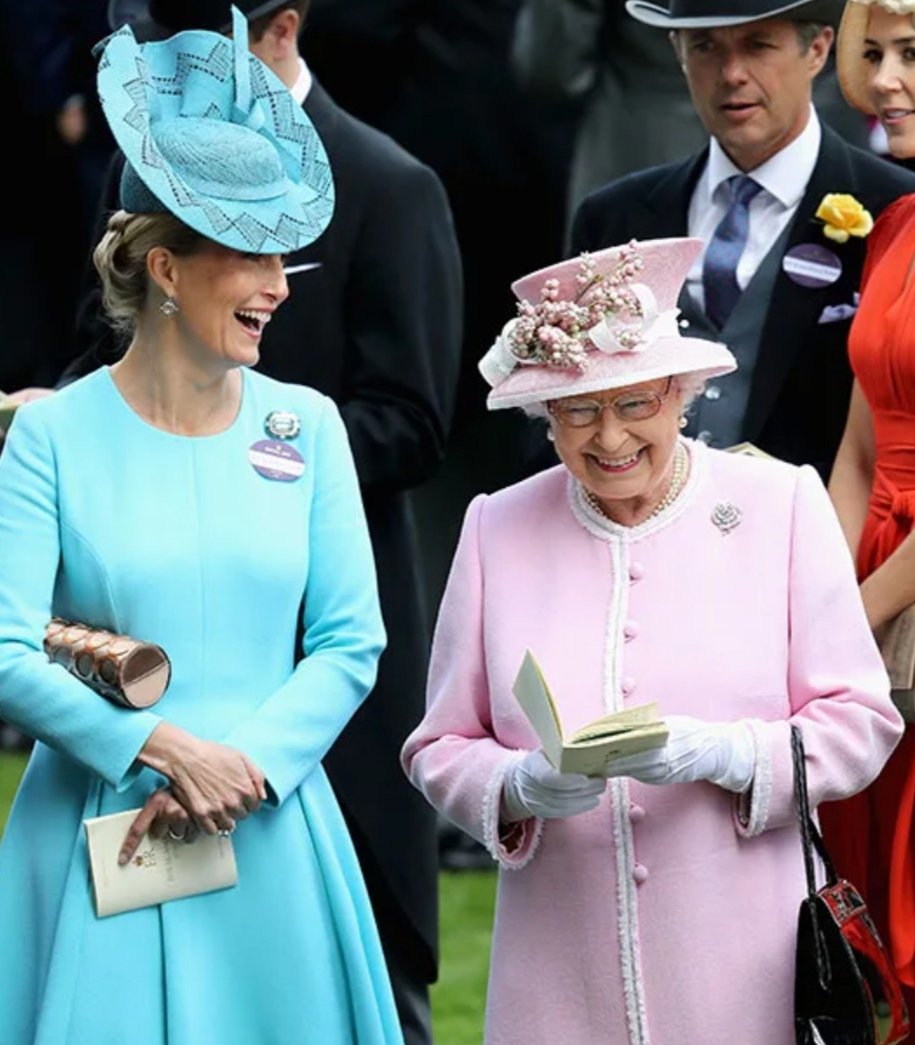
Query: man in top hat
column 374, row 321
column 771, row 282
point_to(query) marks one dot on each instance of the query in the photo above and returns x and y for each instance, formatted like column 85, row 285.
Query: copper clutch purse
column 125, row 671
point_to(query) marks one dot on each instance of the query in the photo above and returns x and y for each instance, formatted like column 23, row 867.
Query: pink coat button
column 636, row 571
column 640, row 874
column 628, row 686
column 630, row 630
column 636, row 814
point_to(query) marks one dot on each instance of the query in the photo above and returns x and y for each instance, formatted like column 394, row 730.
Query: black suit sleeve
column 404, row 307
column 94, row 341
column 580, row 236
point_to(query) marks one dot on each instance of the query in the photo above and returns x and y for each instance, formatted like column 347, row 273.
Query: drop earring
column 169, row 306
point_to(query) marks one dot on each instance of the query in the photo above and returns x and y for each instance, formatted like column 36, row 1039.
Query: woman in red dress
column 872, row 836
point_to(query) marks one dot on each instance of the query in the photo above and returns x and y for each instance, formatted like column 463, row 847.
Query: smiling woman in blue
column 181, row 498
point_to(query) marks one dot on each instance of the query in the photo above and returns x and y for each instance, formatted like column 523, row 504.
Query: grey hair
column 690, row 386
column 807, row 32
column 120, row 259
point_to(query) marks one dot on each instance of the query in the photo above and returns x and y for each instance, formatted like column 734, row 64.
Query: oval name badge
column 812, row 265
column 276, row 460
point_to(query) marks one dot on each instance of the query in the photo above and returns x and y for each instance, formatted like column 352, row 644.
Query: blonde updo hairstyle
column 120, row 259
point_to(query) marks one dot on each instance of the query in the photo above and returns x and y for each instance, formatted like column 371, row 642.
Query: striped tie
column 719, row 269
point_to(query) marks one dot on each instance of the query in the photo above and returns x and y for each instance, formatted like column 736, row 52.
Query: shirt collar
column 784, row 175
column 299, row 90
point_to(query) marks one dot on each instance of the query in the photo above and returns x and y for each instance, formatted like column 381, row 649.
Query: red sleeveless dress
column 872, row 835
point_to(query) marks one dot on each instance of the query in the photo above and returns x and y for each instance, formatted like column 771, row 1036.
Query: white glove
column 532, row 787
column 721, row 752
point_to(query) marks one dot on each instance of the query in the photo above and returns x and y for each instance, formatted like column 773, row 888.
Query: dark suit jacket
column 799, row 398
column 377, row 327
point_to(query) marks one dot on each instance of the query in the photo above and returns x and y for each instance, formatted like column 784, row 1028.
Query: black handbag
column 845, row 990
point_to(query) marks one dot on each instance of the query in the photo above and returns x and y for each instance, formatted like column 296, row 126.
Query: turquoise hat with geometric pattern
column 211, row 135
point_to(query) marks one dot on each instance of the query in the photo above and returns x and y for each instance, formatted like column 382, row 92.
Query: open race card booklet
column 161, row 869
column 591, row 748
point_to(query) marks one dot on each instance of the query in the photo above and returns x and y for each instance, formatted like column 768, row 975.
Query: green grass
column 466, row 920
column 11, row 767
column 466, row 906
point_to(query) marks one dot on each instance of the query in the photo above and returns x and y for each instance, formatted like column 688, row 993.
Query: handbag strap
column 810, row 835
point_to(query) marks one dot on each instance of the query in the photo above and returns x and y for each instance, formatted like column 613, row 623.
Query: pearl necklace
column 677, row 482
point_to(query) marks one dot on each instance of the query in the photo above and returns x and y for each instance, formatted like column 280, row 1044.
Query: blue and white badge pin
column 275, row 460
column 812, row 265
column 282, row 424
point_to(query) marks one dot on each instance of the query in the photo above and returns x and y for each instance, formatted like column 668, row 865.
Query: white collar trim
column 299, row 90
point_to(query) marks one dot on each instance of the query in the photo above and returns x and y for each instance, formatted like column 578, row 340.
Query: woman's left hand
column 161, row 814
column 723, row 753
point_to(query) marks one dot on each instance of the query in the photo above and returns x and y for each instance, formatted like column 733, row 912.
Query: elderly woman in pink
column 658, row 905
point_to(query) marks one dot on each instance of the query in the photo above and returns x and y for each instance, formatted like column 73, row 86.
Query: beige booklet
column 594, row 746
column 748, row 450
column 161, row 869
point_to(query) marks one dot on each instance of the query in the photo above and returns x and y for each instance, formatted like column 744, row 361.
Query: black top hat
column 159, row 19
column 709, row 14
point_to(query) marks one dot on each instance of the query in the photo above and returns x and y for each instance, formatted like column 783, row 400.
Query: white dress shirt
column 299, row 90
column 783, row 178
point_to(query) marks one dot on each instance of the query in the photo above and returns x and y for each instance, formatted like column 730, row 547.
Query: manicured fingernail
column 122, row 859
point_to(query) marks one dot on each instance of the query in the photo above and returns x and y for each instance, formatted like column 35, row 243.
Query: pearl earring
column 550, row 437
column 683, row 422
column 169, row 306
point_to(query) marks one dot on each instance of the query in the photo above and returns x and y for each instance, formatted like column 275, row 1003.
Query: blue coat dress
column 179, row 541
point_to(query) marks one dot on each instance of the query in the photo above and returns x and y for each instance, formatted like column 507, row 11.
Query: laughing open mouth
column 254, row 319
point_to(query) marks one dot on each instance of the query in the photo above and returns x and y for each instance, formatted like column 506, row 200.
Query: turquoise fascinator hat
column 214, row 137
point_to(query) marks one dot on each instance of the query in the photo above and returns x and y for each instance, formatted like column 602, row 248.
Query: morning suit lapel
column 667, row 212
column 669, row 204
column 666, row 205
column 794, row 310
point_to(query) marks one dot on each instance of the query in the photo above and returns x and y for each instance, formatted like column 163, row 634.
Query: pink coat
column 658, row 917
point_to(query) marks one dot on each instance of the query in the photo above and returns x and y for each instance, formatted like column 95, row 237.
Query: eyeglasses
column 630, row 406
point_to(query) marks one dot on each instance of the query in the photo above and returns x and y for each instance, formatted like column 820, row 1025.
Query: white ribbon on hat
column 651, row 325
column 499, row 361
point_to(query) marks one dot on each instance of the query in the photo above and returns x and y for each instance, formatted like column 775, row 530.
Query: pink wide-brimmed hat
column 602, row 320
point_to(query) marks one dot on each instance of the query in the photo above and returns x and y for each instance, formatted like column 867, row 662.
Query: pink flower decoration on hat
column 556, row 331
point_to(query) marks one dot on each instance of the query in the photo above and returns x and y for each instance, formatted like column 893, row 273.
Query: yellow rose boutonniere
column 843, row 216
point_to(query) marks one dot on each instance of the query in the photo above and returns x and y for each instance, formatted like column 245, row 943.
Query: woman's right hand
column 216, row 784
column 161, row 814
column 532, row 787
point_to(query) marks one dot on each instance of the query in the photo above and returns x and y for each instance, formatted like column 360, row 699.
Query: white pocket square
column 836, row 313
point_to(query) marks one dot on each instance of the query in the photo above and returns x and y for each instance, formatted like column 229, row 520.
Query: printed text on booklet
column 590, row 749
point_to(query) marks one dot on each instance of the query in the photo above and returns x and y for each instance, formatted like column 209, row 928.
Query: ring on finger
column 226, row 831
